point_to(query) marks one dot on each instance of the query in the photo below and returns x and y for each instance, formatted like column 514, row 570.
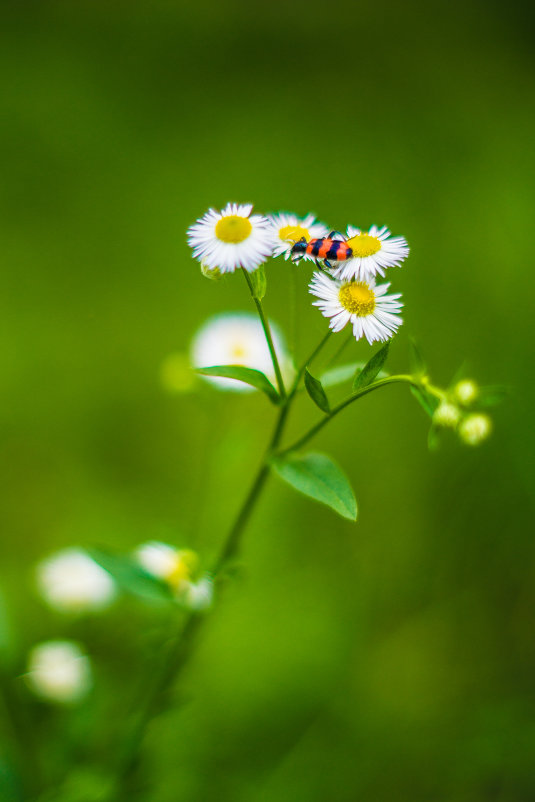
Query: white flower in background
column 289, row 229
column 231, row 239
column 372, row 313
column 474, row 429
column 466, row 391
column 447, row 414
column 170, row 565
column 199, row 595
column 373, row 252
column 70, row 581
column 237, row 338
column 59, row 671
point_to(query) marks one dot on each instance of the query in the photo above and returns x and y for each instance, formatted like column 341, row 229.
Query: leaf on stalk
column 316, row 392
column 418, row 366
column 427, row 401
column 343, row 373
column 130, row 576
column 258, row 282
column 250, row 376
column 370, row 370
column 318, row 476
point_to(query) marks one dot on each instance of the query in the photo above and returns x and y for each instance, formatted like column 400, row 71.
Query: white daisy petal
column 372, row 313
column 373, row 251
column 232, row 238
column 288, row 229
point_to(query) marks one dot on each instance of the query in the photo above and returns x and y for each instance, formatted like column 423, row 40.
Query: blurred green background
column 388, row 660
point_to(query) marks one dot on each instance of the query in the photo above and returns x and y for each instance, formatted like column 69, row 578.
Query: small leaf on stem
column 258, row 283
column 427, row 401
column 250, row 376
column 371, row 368
column 318, row 476
column 316, row 391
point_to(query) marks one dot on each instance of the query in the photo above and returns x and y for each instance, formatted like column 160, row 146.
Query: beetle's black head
column 298, row 250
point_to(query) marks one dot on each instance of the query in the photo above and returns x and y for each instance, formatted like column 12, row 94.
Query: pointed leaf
column 318, row 476
column 371, row 369
column 247, row 375
column 130, row 576
column 258, row 282
column 343, row 373
column 418, row 366
column 316, row 392
column 427, row 401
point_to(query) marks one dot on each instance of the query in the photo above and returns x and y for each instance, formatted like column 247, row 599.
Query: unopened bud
column 446, row 414
column 474, row 429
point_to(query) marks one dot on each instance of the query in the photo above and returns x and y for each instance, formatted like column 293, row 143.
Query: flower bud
column 474, row 429
column 213, row 273
column 199, row 595
column 446, row 414
column 59, row 671
column 466, row 391
column 173, row 566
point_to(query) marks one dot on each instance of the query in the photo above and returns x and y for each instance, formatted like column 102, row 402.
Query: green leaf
column 316, row 392
column 318, row 476
column 258, row 283
column 492, row 395
column 343, row 373
column 371, row 369
column 247, row 375
column 433, row 438
column 130, row 576
column 427, row 401
column 418, row 366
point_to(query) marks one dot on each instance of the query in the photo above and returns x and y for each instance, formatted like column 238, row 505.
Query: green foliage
column 131, row 577
column 250, row 376
column 427, row 401
column 316, row 391
column 491, row 396
column 258, row 282
column 318, row 476
column 371, row 369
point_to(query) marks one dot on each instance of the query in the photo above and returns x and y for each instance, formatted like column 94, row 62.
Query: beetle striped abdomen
column 331, row 249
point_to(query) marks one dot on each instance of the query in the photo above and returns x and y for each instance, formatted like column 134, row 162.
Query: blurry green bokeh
column 388, row 660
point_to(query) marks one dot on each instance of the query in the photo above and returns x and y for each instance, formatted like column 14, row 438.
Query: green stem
column 267, row 331
column 180, row 648
column 325, row 420
column 307, row 362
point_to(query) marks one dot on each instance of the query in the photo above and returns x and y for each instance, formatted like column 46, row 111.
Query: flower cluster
column 454, row 412
column 72, row 582
column 345, row 284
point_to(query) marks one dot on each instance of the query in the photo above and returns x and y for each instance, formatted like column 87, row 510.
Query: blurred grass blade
column 130, row 576
column 251, row 376
column 371, row 368
column 320, row 478
column 316, row 392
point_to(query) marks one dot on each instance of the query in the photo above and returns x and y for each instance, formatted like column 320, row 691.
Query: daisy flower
column 372, row 313
column 231, row 238
column 72, row 582
column 237, row 338
column 373, row 252
column 289, row 229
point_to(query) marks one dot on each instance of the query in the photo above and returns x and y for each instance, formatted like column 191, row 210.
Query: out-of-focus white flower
column 372, row 313
column 466, row 391
column 289, row 229
column 70, row 581
column 447, row 414
column 231, row 238
column 373, row 252
column 59, row 671
column 237, row 338
column 474, row 429
column 173, row 566
column 199, row 595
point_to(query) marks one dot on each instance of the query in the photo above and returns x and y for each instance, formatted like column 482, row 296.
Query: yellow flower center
column 293, row 233
column 233, row 228
column 238, row 351
column 364, row 245
column 357, row 298
column 185, row 564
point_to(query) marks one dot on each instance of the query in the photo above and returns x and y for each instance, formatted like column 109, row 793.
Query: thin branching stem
column 267, row 332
